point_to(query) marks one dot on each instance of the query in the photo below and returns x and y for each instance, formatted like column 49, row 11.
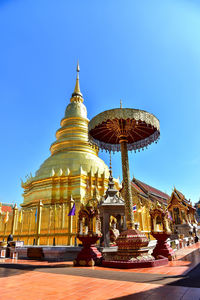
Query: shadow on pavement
column 192, row 279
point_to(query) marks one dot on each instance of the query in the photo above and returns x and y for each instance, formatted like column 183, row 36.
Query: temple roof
column 181, row 198
column 6, row 207
column 147, row 190
column 111, row 197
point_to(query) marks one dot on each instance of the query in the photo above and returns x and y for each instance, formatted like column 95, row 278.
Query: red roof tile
column 137, row 187
column 6, row 208
column 145, row 188
column 154, row 190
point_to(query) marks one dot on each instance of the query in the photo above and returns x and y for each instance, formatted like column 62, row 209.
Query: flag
column 134, row 208
column 6, row 218
column 20, row 217
column 72, row 211
column 36, row 216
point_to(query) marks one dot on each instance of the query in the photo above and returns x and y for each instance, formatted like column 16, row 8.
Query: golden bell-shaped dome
column 72, row 150
column 76, row 109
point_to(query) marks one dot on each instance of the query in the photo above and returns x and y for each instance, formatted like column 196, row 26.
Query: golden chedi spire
column 77, row 92
column 71, row 149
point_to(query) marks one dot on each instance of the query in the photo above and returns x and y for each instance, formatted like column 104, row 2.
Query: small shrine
column 89, row 232
column 160, row 229
column 112, row 214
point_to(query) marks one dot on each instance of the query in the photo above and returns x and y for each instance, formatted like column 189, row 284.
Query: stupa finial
column 77, row 91
column 120, row 103
column 77, row 67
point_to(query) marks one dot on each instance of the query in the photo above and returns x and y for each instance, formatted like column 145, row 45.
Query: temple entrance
column 176, row 215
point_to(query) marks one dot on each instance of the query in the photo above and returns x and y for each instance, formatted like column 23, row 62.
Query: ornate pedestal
column 162, row 247
column 133, row 252
column 132, row 245
column 89, row 255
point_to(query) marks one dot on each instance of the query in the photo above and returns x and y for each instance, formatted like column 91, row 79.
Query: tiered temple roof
column 181, row 199
column 148, row 191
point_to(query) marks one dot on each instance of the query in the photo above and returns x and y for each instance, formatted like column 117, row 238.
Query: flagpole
column 71, row 214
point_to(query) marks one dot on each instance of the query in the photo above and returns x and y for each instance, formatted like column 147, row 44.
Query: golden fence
column 41, row 225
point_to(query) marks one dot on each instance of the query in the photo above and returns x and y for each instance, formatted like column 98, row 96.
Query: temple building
column 197, row 206
column 182, row 212
column 145, row 198
column 70, row 175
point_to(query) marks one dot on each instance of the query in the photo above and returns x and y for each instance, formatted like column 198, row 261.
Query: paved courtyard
column 25, row 279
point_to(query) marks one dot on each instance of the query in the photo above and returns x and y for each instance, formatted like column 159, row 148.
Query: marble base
column 132, row 265
column 52, row 253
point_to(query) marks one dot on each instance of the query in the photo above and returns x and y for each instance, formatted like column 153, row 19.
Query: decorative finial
column 77, row 91
column 77, row 68
column 120, row 103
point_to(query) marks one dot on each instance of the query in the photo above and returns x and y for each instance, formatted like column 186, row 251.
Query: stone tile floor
column 25, row 279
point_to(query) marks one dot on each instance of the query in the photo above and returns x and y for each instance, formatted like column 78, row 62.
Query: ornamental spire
column 77, row 91
column 110, row 164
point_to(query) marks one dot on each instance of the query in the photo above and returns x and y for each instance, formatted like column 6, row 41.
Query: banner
column 72, row 211
column 36, row 216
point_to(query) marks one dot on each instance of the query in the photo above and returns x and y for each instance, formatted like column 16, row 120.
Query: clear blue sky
column 146, row 53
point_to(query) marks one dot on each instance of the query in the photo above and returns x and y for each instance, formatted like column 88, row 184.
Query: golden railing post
column 49, row 224
column 14, row 217
column 29, row 225
column 39, row 216
column 127, row 186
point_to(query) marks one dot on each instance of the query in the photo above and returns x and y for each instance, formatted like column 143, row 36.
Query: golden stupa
column 72, row 173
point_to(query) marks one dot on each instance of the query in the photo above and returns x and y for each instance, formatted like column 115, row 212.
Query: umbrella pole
column 127, row 186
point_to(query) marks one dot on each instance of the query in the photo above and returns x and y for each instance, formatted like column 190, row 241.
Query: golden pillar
column 127, row 185
column 39, row 215
column 14, row 219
